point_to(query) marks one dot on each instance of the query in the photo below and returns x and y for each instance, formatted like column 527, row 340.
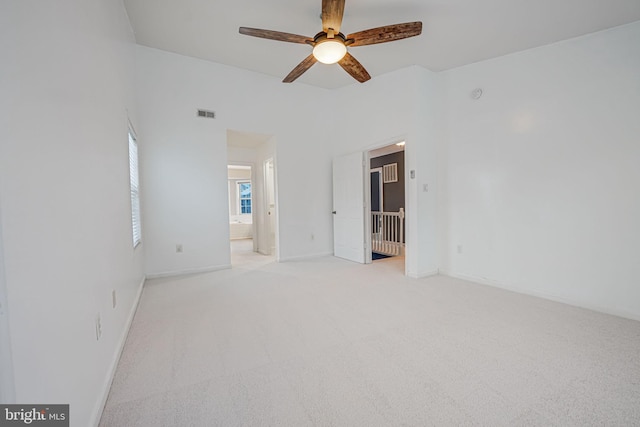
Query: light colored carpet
column 327, row 342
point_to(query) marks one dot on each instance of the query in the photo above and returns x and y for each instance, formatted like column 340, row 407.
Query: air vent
column 390, row 173
column 206, row 114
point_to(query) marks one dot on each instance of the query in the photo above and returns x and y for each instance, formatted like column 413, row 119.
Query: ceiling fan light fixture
column 329, row 51
column 330, row 45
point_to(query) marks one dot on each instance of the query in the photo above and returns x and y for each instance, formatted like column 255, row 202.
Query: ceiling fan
column 330, row 45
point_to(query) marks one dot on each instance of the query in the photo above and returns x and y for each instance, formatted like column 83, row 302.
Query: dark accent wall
column 393, row 191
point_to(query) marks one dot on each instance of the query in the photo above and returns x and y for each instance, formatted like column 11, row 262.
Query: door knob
column 334, row 212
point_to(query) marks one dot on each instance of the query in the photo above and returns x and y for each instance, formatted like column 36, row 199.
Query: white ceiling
column 455, row 32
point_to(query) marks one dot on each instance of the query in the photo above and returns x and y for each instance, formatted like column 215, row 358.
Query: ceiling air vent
column 206, row 114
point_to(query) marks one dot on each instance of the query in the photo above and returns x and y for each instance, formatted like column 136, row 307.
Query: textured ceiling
column 455, row 32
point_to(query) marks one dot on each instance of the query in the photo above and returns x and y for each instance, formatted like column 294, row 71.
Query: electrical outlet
column 313, row 236
column 179, row 248
column 113, row 298
column 98, row 327
column 459, row 249
column 425, row 187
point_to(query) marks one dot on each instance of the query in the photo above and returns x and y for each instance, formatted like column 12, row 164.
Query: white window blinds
column 135, row 190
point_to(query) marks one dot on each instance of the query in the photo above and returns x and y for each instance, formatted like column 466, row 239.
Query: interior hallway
column 329, row 342
column 243, row 256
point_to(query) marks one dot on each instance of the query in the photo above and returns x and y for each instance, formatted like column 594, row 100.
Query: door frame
column 276, row 242
column 367, row 198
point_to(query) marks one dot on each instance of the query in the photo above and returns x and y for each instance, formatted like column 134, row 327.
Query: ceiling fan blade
column 353, row 67
column 332, row 12
column 275, row 35
column 300, row 69
column 385, row 34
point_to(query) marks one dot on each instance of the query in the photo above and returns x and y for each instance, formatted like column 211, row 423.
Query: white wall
column 185, row 157
column 239, row 174
column 543, row 177
column 425, row 158
column 66, row 85
column 7, row 387
column 241, row 155
column 7, row 391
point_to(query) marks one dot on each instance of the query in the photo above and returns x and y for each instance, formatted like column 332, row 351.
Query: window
column 244, row 197
column 135, row 190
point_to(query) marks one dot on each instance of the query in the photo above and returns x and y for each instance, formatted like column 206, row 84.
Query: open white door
column 348, row 207
column 270, row 197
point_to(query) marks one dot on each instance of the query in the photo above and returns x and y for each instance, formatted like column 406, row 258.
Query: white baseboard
column 114, row 363
column 189, row 271
column 422, row 274
column 305, row 257
column 543, row 295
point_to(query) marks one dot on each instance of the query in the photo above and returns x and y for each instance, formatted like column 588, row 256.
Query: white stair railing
column 387, row 232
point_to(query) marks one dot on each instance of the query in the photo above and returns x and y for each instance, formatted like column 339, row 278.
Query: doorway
column 386, row 213
column 378, row 177
column 252, row 194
